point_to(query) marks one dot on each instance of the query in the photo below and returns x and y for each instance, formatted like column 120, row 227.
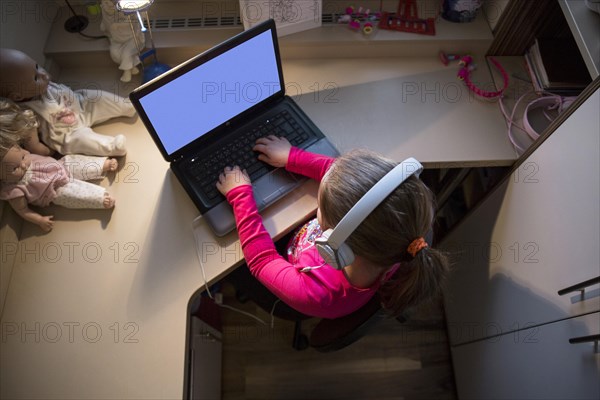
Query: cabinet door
column 535, row 235
column 206, row 362
column 537, row 363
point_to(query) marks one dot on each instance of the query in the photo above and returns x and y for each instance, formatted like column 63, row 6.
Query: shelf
column 331, row 40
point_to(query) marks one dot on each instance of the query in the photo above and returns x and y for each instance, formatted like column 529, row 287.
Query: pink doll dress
column 39, row 184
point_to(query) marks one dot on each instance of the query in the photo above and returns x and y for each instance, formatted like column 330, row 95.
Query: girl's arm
column 303, row 292
column 21, row 207
column 308, row 164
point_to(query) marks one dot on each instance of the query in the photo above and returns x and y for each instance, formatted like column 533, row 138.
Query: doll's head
column 22, row 77
column 14, row 164
column 16, row 124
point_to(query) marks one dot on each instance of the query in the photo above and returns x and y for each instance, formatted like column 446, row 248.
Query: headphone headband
column 366, row 204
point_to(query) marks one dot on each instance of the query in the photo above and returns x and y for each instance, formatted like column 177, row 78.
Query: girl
column 391, row 255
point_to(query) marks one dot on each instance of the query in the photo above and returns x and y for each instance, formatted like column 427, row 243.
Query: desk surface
column 97, row 307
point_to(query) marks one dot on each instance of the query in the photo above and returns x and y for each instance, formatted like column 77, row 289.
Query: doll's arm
column 33, row 145
column 21, row 207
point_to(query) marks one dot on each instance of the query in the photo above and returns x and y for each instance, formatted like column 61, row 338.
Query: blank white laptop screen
column 213, row 92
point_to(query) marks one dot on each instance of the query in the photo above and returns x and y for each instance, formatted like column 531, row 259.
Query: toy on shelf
column 360, row 20
column 66, row 115
column 466, row 64
column 125, row 40
column 445, row 58
column 32, row 179
column 407, row 19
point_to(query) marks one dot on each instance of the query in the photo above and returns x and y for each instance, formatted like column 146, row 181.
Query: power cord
column 547, row 101
column 218, row 297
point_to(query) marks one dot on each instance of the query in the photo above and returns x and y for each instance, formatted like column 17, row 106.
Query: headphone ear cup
column 325, row 250
column 344, row 256
column 327, row 253
column 339, row 258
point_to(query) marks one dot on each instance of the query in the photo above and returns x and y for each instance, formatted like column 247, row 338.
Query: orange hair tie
column 416, row 246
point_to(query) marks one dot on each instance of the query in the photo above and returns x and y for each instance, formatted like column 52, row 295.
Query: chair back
column 335, row 334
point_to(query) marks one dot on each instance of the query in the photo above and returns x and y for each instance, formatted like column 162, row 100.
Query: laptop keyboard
column 239, row 152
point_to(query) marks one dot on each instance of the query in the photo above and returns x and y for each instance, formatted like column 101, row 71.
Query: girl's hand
column 274, row 150
column 231, row 178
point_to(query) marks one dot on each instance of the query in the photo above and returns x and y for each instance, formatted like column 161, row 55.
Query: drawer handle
column 586, row 339
column 579, row 287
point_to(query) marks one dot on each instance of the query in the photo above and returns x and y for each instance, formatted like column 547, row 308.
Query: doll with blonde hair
column 20, row 125
column 27, row 178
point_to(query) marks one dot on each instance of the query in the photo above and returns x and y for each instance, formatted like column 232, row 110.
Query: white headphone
column 331, row 244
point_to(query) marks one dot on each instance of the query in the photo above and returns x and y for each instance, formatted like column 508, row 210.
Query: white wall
column 25, row 25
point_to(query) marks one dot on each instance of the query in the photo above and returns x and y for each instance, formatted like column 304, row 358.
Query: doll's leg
column 98, row 106
column 87, row 168
column 80, row 194
column 129, row 60
column 86, row 141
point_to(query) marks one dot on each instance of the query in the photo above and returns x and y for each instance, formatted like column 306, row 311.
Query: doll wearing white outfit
column 124, row 39
column 27, row 178
column 67, row 115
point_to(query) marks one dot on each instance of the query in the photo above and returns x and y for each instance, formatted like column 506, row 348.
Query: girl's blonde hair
column 15, row 124
column 384, row 236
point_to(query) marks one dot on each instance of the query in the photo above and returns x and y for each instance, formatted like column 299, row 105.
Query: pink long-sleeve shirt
column 321, row 292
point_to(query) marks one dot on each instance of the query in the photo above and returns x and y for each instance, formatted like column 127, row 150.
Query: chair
column 334, row 334
column 328, row 334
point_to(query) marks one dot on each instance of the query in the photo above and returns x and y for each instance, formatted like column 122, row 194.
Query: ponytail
column 416, row 281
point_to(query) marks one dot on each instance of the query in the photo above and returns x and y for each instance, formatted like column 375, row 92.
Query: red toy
column 407, row 19
column 445, row 58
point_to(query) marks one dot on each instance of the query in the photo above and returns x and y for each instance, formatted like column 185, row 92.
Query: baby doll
column 124, row 39
column 67, row 115
column 27, row 178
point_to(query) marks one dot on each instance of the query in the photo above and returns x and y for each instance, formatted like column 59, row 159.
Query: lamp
column 129, row 7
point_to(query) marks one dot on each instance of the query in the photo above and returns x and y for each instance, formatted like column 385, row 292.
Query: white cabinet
column 537, row 233
column 206, row 355
column 536, row 363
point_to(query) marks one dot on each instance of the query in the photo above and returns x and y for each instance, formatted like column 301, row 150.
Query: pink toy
column 360, row 20
column 445, row 58
column 464, row 75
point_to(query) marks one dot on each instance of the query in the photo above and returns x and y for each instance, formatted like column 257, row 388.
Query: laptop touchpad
column 272, row 186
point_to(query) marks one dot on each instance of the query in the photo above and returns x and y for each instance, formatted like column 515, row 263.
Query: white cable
column 200, row 260
column 206, row 281
column 243, row 312
column 272, row 313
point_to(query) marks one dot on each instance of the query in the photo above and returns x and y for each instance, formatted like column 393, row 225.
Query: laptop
column 207, row 113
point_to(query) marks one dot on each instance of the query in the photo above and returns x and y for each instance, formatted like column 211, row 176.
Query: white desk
column 97, row 307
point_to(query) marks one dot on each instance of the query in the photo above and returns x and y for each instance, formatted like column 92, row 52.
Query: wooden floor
column 394, row 361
